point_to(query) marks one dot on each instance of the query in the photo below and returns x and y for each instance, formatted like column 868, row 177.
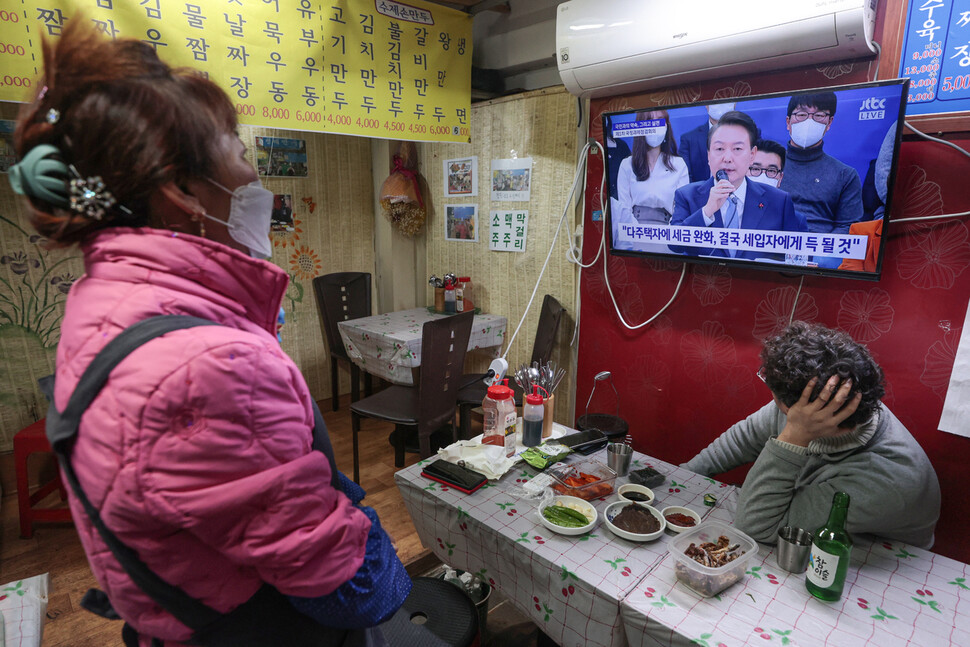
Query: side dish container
column 705, row 580
column 586, row 479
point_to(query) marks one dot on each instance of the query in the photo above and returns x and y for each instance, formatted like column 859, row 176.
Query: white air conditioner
column 609, row 47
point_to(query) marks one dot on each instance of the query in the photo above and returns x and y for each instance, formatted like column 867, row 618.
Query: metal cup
column 794, row 546
column 618, row 458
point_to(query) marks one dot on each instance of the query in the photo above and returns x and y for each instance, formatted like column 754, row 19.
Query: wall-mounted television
column 796, row 182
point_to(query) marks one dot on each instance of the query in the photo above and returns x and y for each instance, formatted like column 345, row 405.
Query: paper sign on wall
column 956, row 408
column 376, row 68
column 507, row 230
column 511, row 180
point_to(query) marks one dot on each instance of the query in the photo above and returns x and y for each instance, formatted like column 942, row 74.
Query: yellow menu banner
column 375, row 68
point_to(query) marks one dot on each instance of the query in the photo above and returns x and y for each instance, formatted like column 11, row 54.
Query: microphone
column 722, row 175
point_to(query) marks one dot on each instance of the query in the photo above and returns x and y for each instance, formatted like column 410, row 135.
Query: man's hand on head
column 809, row 419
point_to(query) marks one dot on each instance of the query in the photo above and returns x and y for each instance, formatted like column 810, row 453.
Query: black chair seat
column 435, row 614
column 395, row 404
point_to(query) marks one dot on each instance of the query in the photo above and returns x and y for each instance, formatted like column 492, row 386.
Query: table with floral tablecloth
column 894, row 595
column 389, row 345
column 571, row 587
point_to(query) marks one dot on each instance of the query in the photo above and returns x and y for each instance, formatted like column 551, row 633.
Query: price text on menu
column 375, row 68
column 936, row 56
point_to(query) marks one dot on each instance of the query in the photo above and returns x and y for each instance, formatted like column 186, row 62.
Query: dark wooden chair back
column 549, row 319
column 444, row 343
column 341, row 296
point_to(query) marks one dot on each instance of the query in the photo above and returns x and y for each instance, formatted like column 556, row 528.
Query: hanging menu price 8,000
column 357, row 67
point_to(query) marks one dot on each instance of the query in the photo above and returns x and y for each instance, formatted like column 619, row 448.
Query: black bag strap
column 62, row 428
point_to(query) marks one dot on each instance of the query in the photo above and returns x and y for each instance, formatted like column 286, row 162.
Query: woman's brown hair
column 668, row 148
column 115, row 110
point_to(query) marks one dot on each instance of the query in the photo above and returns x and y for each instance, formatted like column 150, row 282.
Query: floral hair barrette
column 90, row 196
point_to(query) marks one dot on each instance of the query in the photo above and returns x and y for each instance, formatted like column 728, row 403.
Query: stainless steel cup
column 794, row 546
column 618, row 458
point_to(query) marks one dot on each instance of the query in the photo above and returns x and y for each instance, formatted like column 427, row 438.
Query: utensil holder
column 439, row 299
column 547, row 409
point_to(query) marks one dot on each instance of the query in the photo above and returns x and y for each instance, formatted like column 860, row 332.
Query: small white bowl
column 633, row 487
column 586, row 507
column 615, row 508
column 674, row 509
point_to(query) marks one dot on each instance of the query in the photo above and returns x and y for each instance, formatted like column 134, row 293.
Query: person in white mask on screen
column 827, row 192
column 693, row 143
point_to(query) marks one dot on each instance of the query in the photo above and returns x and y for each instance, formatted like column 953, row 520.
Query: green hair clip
column 44, row 175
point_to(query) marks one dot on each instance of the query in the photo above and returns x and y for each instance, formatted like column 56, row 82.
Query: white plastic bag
column 23, row 604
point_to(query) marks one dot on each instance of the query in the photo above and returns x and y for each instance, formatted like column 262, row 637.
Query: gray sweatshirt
column 893, row 487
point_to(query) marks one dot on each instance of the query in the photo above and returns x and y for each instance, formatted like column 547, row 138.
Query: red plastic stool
column 27, row 441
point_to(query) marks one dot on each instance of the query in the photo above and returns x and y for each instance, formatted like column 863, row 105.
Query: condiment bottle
column 532, row 413
column 499, row 418
column 449, row 296
column 831, row 547
column 463, row 295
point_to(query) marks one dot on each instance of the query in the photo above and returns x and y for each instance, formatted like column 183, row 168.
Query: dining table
column 389, row 345
column 598, row 589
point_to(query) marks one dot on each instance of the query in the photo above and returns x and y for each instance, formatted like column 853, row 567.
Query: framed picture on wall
column 461, row 176
column 281, row 157
column 461, row 222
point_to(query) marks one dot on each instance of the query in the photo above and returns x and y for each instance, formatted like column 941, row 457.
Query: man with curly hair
column 826, row 431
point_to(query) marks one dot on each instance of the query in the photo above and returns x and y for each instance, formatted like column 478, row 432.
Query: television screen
column 796, row 182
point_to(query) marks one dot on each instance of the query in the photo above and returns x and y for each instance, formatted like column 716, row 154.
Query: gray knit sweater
column 893, row 487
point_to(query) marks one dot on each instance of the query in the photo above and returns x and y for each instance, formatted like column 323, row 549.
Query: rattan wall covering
column 335, row 232
column 540, row 125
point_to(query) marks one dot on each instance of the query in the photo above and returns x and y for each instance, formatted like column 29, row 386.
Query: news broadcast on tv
column 799, row 181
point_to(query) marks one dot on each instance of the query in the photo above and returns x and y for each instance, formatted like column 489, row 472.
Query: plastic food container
column 586, row 479
column 705, row 580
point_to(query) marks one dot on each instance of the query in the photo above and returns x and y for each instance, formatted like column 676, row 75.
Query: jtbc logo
column 872, row 108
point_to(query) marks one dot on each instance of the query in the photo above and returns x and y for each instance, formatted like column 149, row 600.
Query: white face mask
column 250, row 211
column 807, row 133
column 717, row 111
column 764, row 179
column 657, row 138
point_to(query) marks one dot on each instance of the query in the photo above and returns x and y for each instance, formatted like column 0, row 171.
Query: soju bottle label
column 822, row 567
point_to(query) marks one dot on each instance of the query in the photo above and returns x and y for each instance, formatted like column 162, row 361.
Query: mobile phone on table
column 585, row 442
column 453, row 475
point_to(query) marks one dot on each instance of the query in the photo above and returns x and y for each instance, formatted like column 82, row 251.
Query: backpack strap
column 62, row 428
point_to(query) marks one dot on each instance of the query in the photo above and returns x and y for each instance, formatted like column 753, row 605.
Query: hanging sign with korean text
column 375, row 68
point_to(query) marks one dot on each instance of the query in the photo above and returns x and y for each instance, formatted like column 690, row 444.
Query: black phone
column 584, row 442
column 454, row 475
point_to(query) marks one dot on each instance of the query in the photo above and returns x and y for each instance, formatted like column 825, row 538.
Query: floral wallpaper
column 688, row 376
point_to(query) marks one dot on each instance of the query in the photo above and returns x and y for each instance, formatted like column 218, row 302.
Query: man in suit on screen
column 728, row 199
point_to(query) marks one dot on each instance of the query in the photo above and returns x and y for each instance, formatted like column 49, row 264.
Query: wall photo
column 281, row 157
column 461, row 222
column 461, row 176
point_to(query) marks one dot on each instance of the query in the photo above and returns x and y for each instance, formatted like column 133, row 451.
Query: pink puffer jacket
column 197, row 450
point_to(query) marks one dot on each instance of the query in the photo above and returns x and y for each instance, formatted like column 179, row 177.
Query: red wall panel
column 685, row 378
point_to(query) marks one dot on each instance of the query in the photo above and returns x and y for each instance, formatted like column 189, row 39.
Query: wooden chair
column 471, row 396
column 430, row 405
column 342, row 296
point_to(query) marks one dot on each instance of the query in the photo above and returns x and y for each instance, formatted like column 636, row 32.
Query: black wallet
column 453, row 475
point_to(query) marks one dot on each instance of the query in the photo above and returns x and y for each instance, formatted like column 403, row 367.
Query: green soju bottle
column 831, row 547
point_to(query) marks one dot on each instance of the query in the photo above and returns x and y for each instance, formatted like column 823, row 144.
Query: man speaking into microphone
column 729, row 199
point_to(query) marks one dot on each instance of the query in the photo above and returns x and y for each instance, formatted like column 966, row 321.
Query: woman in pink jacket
column 197, row 452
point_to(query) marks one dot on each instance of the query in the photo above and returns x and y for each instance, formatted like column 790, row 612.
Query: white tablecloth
column 571, row 587
column 389, row 345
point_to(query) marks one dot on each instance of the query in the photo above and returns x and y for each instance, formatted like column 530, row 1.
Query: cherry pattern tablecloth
column 571, row 587
column 389, row 345
column 895, row 595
